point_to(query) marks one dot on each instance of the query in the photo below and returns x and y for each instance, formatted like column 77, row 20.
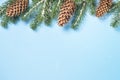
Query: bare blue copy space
column 55, row 53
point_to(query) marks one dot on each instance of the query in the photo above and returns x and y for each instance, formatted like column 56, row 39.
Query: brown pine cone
column 17, row 8
column 66, row 11
column 103, row 7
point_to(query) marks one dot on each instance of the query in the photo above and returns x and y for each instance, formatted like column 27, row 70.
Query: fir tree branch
column 115, row 7
column 48, row 12
column 116, row 21
column 79, row 16
column 43, row 9
column 5, row 21
column 2, row 10
column 92, row 6
column 39, row 17
column 55, row 8
column 27, row 14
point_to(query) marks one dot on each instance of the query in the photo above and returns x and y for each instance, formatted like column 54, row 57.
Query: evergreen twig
column 79, row 14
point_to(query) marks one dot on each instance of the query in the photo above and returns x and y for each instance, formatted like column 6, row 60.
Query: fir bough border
column 46, row 10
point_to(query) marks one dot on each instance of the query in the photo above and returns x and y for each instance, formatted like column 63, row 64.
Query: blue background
column 55, row 53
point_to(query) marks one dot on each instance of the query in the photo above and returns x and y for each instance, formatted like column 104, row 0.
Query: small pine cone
column 66, row 11
column 17, row 8
column 103, row 7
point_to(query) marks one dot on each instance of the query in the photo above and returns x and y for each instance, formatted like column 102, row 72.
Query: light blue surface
column 55, row 53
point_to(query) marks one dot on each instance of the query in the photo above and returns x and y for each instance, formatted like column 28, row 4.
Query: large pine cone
column 17, row 8
column 103, row 7
column 66, row 11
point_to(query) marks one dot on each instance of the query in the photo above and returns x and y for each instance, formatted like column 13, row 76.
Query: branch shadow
column 117, row 29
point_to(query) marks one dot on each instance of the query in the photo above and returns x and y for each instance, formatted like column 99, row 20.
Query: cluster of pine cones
column 67, row 9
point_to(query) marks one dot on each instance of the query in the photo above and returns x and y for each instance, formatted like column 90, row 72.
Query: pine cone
column 66, row 11
column 103, row 7
column 17, row 8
